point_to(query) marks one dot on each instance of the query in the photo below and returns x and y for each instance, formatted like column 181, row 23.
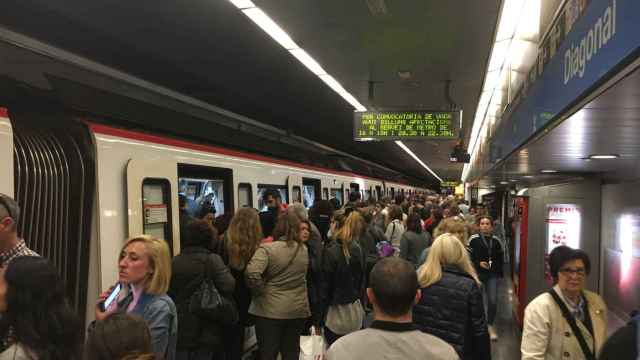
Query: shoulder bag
column 588, row 354
column 207, row 301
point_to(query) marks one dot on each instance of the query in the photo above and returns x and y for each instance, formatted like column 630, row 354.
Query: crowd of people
column 427, row 267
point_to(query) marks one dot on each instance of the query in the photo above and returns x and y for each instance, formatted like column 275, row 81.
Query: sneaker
column 493, row 334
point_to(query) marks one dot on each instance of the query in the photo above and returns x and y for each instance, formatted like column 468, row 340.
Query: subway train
column 85, row 187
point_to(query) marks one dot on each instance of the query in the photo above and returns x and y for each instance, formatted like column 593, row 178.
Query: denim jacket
column 161, row 316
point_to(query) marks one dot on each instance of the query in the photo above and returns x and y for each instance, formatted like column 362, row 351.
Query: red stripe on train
column 135, row 135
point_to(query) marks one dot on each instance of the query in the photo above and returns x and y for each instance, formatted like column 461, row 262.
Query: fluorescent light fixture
column 270, row 27
column 308, row 61
column 416, row 158
column 528, row 176
column 603, row 156
column 513, row 52
column 548, row 171
column 263, row 20
column 513, row 180
column 335, row 85
column 243, row 4
column 504, row 182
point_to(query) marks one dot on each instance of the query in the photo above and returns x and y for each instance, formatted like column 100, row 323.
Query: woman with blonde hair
column 276, row 274
column 145, row 273
column 453, row 226
column 343, row 279
column 241, row 240
column 451, row 306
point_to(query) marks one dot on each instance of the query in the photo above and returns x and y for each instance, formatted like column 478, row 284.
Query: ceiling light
column 243, row 4
column 270, row 27
column 416, row 158
column 263, row 20
column 335, row 85
column 528, row 176
column 548, row 171
column 504, row 182
column 308, row 61
column 513, row 180
column 603, row 156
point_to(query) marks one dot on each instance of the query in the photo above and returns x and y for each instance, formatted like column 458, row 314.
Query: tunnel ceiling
column 209, row 50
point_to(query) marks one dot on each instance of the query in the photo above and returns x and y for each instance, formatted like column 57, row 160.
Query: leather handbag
column 206, row 301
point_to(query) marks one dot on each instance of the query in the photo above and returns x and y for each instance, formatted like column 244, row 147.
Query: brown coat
column 285, row 295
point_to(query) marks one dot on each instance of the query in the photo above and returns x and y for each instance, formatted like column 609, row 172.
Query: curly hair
column 243, row 237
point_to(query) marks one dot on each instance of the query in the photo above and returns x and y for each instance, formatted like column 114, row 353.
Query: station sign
column 405, row 125
column 449, row 184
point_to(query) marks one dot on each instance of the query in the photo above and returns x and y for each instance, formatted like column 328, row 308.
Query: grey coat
column 412, row 245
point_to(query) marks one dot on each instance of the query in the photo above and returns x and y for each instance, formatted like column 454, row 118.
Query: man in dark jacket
column 198, row 338
column 268, row 218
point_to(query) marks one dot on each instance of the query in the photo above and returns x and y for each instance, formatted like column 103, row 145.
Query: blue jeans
column 490, row 297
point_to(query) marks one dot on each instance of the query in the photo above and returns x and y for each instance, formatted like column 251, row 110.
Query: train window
column 367, row 195
column 262, row 188
column 310, row 191
column 245, row 198
column 337, row 194
column 156, row 195
column 207, row 190
column 325, row 193
column 296, row 196
column 378, row 192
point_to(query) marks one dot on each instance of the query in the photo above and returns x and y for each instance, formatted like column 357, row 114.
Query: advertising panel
column 563, row 228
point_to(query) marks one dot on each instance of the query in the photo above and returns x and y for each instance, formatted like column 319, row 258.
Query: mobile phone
column 111, row 298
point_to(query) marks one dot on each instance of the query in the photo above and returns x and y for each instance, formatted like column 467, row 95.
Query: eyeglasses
column 574, row 271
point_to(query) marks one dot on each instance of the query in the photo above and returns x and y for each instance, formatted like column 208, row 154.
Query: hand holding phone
column 113, row 296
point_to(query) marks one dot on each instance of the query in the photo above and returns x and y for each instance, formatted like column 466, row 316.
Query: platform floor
column 508, row 345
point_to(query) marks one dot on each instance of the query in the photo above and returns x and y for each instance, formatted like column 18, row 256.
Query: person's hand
column 101, row 315
column 485, row 265
column 210, row 218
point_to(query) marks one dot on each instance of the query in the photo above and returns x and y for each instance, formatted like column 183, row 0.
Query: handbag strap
column 574, row 327
column 281, row 271
column 192, row 286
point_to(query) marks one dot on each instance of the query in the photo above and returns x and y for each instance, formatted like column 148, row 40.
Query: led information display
column 398, row 125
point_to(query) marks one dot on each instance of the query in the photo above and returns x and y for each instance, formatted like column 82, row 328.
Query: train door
column 152, row 193
column 205, row 193
column 354, row 187
column 294, row 185
column 310, row 191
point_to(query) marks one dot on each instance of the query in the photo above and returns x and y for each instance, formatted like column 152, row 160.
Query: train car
column 94, row 185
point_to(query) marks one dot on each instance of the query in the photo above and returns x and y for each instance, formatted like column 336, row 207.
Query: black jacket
column 452, row 309
column 342, row 282
column 623, row 344
column 314, row 274
column 323, row 223
column 371, row 237
column 479, row 246
column 186, row 267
